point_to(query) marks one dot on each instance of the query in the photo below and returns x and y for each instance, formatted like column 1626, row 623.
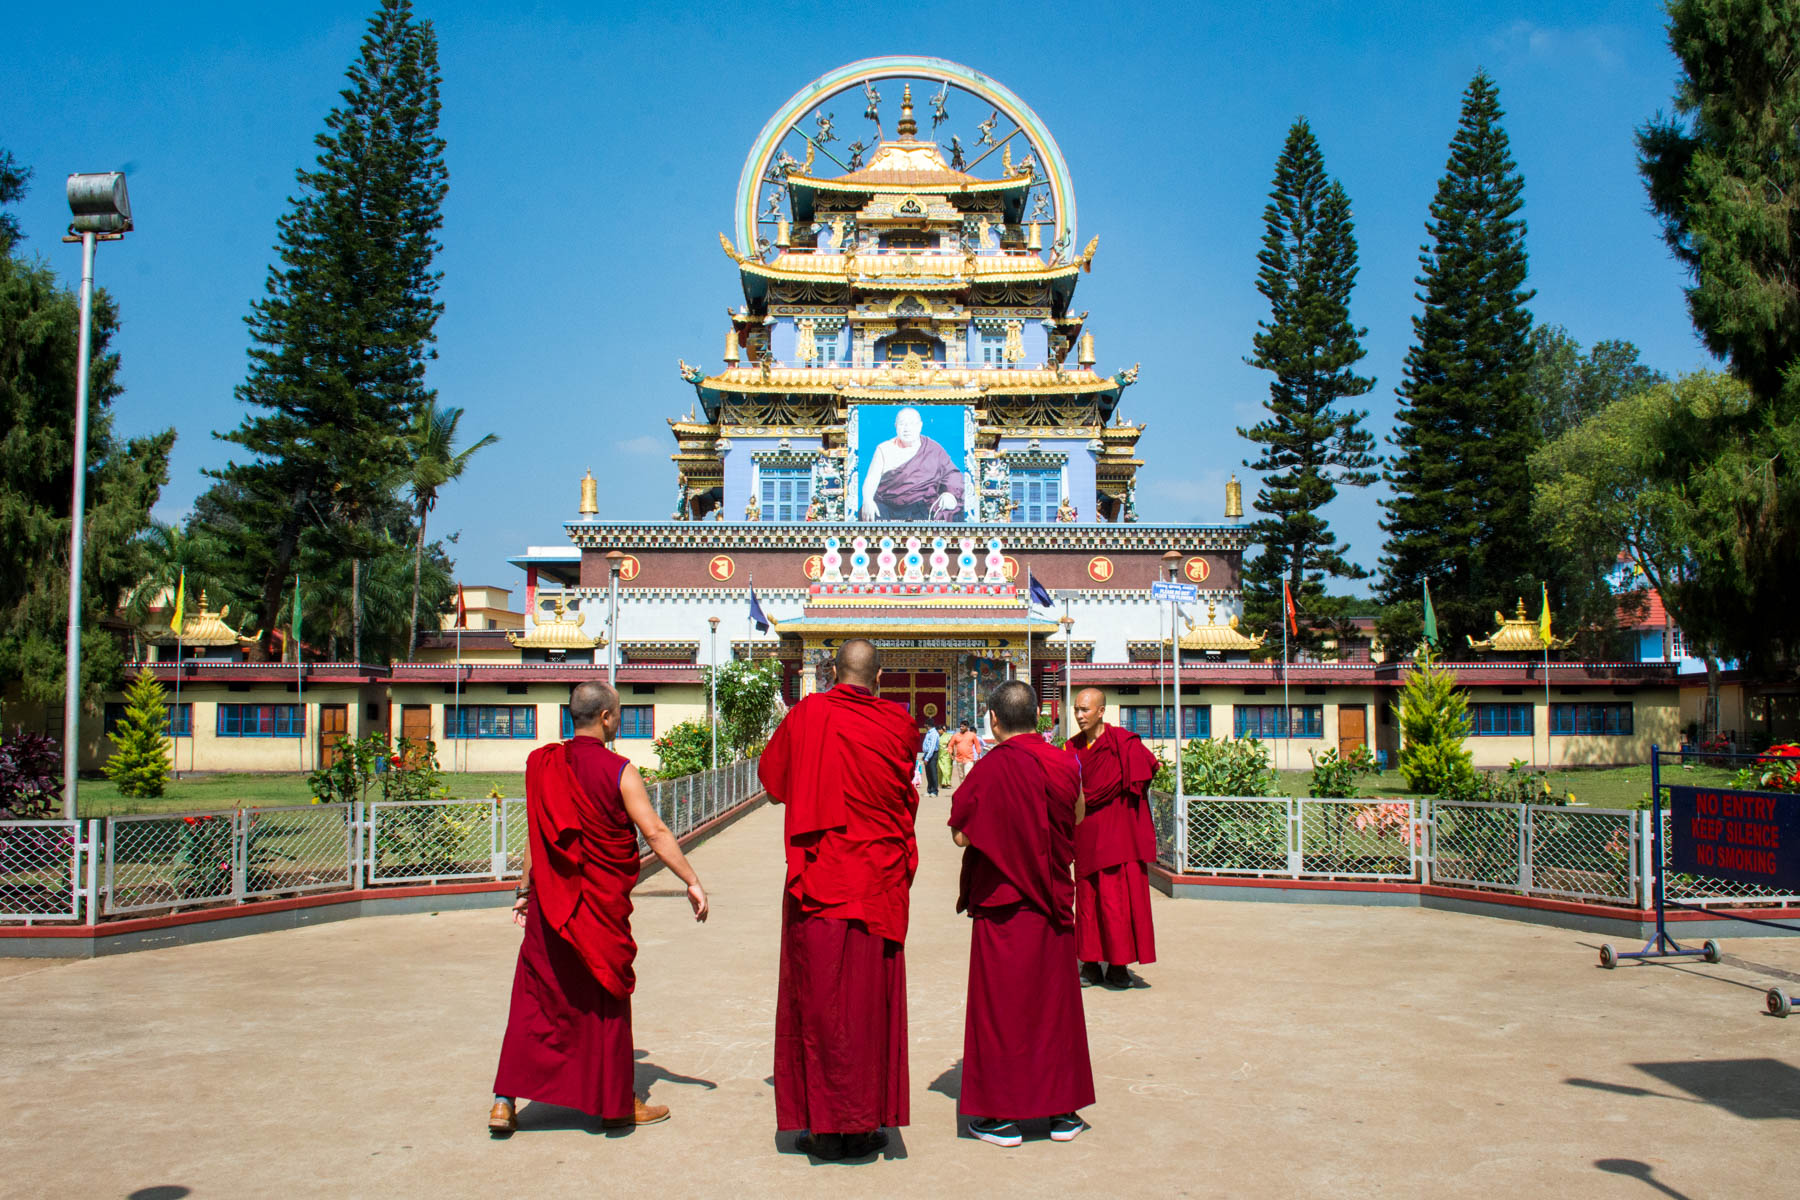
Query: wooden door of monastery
column 334, row 726
column 1353, row 728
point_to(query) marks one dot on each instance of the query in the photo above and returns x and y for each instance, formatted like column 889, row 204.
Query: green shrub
column 1221, row 767
column 683, row 750
column 140, row 759
column 1334, row 775
column 1434, row 721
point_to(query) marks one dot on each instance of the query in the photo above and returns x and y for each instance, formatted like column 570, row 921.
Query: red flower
column 397, row 761
column 188, row 820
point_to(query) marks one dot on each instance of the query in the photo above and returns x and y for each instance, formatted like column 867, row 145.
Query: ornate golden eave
column 208, row 628
column 1213, row 636
column 913, row 269
column 1516, row 635
column 558, row 633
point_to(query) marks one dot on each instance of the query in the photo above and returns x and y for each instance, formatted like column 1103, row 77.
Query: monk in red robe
column 841, row 762
column 1025, row 1049
column 1115, row 839
column 568, row 1034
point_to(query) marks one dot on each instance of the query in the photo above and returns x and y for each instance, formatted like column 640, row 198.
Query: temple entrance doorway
column 926, row 694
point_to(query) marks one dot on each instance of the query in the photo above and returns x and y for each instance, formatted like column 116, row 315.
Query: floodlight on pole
column 99, row 210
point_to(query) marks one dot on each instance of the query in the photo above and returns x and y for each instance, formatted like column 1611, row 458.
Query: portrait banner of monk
column 909, row 462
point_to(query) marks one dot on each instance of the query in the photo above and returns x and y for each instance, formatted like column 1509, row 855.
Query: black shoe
column 1090, row 974
column 861, row 1145
column 1117, row 977
column 835, row 1147
column 1067, row 1127
column 997, row 1132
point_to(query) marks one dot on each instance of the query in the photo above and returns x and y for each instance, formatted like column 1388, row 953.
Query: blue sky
column 594, row 151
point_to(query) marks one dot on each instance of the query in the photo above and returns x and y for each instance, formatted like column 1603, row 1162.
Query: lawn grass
column 1593, row 787
column 217, row 791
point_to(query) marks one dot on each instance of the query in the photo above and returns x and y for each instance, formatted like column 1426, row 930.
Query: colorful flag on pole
column 462, row 609
column 1544, row 618
column 1287, row 603
column 1431, row 634
column 757, row 617
column 1037, row 593
column 179, row 618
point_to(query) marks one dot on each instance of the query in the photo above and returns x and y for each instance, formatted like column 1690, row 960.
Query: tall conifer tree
column 1460, row 515
column 1310, row 446
column 341, row 340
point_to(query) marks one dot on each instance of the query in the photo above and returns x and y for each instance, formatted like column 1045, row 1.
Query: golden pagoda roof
column 915, row 268
column 959, row 382
column 208, row 628
column 1517, row 634
column 1213, row 636
column 558, row 633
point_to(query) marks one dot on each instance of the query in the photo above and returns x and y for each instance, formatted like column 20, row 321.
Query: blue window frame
column 786, row 491
column 261, row 720
column 1146, row 721
column 1606, row 719
column 181, row 719
column 635, row 721
column 1036, row 493
column 993, row 350
column 1264, row 721
column 1500, row 720
column 476, row 721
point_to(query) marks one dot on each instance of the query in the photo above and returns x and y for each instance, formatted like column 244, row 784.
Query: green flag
column 1430, row 617
column 298, row 656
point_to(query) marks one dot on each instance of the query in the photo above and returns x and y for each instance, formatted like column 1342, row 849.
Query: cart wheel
column 1779, row 1003
column 1712, row 950
column 1609, row 958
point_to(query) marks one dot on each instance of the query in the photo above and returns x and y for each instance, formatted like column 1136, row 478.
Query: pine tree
column 342, row 338
column 1310, row 447
column 1460, row 515
column 1434, row 726
column 140, row 757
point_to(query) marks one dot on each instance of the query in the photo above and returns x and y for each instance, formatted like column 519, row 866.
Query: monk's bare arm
column 523, row 891
column 662, row 842
column 959, row 837
column 1081, row 807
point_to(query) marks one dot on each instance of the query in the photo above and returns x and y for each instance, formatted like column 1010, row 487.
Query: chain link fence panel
column 423, row 841
column 298, row 848
column 1356, row 839
column 1581, row 853
column 1238, row 836
column 39, row 865
column 1477, row 844
column 170, row 861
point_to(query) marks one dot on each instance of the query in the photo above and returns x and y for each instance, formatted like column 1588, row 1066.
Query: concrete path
column 1278, row 1050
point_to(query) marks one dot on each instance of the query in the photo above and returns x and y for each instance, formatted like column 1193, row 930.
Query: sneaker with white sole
column 1000, row 1133
column 1066, row 1128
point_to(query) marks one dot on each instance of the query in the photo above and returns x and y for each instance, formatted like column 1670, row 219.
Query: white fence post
column 496, row 839
column 1296, row 831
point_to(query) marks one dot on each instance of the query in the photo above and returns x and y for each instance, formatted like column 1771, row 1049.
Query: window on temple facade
column 490, row 721
column 261, row 720
column 1605, row 719
column 181, row 719
column 1264, row 721
column 1500, row 720
column 1036, row 492
column 1145, row 721
column 993, row 350
column 786, row 491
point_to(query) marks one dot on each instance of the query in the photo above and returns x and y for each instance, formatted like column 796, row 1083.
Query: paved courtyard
column 1277, row 1050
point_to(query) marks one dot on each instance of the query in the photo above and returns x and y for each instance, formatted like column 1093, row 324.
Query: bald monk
column 1025, row 1049
column 1115, row 839
column 568, row 1034
column 841, row 762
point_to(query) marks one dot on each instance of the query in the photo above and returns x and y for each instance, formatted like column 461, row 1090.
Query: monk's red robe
column 1025, row 1049
column 1112, row 844
column 568, row 1033
column 841, row 762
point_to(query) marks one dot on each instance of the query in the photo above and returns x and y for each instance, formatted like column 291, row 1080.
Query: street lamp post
column 713, row 702
column 100, row 210
column 1172, row 560
column 1068, row 627
column 613, row 560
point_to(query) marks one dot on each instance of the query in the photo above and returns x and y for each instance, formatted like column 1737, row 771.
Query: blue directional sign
column 1182, row 593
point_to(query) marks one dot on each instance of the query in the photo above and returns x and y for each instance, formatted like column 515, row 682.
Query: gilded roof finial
column 590, row 495
column 1234, row 499
column 908, row 127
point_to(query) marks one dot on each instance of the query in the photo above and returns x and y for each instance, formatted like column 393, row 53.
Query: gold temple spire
column 590, row 495
column 1234, row 499
column 908, row 128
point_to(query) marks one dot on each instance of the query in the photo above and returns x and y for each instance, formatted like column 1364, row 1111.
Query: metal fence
column 65, row 870
column 1587, row 854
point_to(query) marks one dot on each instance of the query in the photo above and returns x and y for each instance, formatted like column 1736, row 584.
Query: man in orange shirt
column 965, row 747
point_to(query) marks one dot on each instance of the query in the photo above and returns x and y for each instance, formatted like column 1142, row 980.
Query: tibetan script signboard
column 1749, row 837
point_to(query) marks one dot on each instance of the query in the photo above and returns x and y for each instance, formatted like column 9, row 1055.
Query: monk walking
column 1113, row 842
column 568, row 1034
column 841, row 762
column 1025, row 1049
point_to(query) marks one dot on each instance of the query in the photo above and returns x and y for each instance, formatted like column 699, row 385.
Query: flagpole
column 1287, row 711
column 1030, row 679
column 300, row 674
column 175, row 747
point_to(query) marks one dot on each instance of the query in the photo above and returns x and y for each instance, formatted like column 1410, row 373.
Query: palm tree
column 165, row 552
column 435, row 462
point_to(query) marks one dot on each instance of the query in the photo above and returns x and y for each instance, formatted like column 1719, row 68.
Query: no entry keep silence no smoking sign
column 1750, row 837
